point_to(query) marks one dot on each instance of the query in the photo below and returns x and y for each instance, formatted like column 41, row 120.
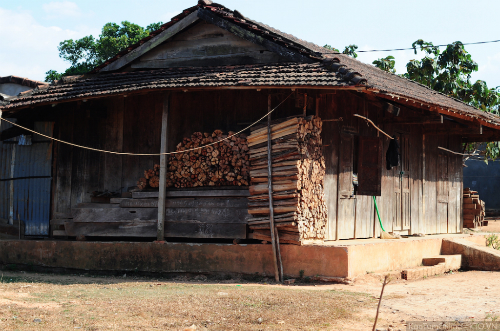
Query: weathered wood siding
column 133, row 124
column 425, row 198
column 202, row 45
column 422, row 195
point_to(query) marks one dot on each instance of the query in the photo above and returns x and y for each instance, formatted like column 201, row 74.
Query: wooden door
column 443, row 190
column 346, row 205
column 402, row 176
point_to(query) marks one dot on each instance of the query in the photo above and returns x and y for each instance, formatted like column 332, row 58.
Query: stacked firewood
column 298, row 170
column 151, row 178
column 474, row 209
column 225, row 163
column 222, row 164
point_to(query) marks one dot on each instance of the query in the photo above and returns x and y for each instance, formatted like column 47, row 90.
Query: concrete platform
column 474, row 256
column 344, row 259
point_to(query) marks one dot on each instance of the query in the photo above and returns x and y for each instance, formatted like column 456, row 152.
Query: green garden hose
column 376, row 208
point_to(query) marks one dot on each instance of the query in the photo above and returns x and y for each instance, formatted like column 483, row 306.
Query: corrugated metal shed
column 30, row 182
column 5, row 173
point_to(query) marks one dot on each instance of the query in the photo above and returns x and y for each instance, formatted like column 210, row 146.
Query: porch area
column 328, row 261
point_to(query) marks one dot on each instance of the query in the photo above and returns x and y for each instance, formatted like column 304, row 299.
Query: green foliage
column 88, row 52
column 449, row 72
column 348, row 50
column 330, row 47
column 386, row 64
column 351, row 51
column 52, row 75
column 493, row 241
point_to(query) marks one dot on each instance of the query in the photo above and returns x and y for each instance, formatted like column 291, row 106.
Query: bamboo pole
column 160, row 235
column 270, row 192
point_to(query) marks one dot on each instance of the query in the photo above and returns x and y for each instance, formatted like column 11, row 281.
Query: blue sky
column 31, row 30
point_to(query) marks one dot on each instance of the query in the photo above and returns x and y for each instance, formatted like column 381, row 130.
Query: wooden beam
column 239, row 192
column 11, row 112
column 270, row 192
column 163, row 170
column 210, row 17
column 152, row 43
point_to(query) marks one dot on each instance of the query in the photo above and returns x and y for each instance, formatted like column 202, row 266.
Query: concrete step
column 423, row 272
column 451, row 262
column 436, row 265
column 474, row 256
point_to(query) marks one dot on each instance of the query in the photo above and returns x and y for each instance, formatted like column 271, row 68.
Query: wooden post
column 270, row 192
column 305, row 105
column 317, row 106
column 163, row 170
column 11, row 184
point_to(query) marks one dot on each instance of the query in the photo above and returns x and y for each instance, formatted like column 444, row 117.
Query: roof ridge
column 21, row 81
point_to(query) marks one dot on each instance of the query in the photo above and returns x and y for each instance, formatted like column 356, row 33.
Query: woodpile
column 225, row 163
column 151, row 178
column 474, row 209
column 298, row 170
column 222, row 164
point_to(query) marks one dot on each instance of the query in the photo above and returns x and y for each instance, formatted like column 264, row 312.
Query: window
column 362, row 156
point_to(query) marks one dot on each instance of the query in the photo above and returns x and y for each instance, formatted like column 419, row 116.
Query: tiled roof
column 235, row 17
column 21, row 81
column 276, row 75
column 329, row 69
column 403, row 88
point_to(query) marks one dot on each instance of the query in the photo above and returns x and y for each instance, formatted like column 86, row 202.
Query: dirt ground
column 493, row 226
column 30, row 301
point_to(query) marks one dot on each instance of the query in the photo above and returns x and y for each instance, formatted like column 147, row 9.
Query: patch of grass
column 493, row 241
column 126, row 304
column 491, row 317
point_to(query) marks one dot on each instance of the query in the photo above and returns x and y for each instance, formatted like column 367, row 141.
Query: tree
column 449, row 72
column 386, row 63
column 348, row 50
column 88, row 52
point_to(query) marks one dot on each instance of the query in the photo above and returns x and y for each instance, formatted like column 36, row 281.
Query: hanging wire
column 146, row 154
column 411, row 48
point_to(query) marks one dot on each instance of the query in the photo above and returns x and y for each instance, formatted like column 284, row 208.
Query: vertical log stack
column 298, row 173
column 474, row 209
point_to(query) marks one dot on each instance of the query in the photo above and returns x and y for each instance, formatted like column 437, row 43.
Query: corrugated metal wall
column 5, row 173
column 32, row 181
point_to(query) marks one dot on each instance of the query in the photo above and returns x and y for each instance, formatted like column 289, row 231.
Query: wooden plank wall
column 356, row 216
column 132, row 124
column 205, row 44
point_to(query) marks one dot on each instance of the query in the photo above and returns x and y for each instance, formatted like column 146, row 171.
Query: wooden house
column 210, row 68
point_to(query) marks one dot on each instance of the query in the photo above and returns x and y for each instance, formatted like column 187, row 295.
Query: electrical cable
column 411, row 48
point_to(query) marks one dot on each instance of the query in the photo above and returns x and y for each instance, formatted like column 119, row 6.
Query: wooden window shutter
column 345, row 166
column 370, row 166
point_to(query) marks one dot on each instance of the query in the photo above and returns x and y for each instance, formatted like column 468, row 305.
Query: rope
column 145, row 154
column 376, row 127
column 450, row 151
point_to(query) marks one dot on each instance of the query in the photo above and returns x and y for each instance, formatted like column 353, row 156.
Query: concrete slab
column 474, row 256
column 342, row 259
